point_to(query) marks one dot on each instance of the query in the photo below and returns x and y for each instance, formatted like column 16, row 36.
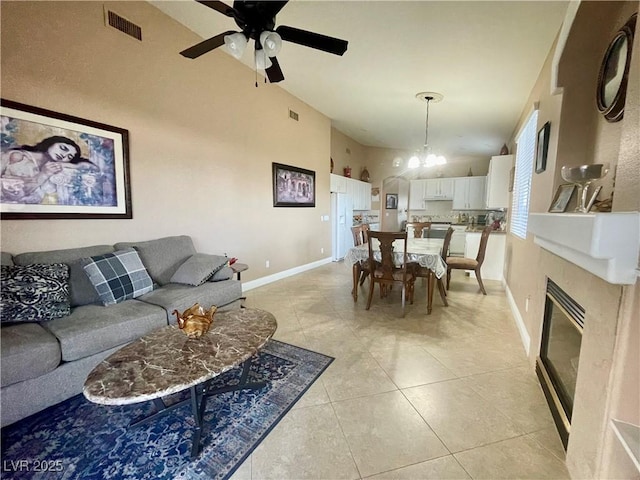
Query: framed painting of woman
column 57, row 166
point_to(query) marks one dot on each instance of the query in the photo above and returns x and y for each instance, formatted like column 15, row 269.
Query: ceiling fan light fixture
column 262, row 60
column 271, row 43
column 236, row 43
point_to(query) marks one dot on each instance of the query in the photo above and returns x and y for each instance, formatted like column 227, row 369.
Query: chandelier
column 427, row 158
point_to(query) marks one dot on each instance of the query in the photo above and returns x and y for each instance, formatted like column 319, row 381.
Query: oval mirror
column 612, row 78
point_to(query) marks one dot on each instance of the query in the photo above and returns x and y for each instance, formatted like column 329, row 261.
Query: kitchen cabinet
column 360, row 192
column 438, row 189
column 468, row 193
column 493, row 265
column 417, row 194
column 498, row 178
column 338, row 183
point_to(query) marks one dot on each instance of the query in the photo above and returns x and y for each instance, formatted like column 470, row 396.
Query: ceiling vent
column 116, row 21
column 293, row 115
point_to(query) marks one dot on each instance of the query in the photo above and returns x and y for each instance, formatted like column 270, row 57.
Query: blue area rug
column 77, row 439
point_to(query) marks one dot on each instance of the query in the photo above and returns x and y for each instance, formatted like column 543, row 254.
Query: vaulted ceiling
column 483, row 57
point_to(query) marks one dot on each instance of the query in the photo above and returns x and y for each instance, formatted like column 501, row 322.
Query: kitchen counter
column 478, row 229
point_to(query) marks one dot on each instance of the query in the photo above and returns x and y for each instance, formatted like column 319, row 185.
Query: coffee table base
column 198, row 399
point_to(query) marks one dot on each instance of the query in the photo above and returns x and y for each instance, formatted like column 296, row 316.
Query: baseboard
column 524, row 335
column 259, row 282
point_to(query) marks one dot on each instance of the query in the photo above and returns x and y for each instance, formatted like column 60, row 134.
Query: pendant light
column 427, row 158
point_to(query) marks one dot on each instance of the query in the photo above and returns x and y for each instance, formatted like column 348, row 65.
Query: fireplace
column 557, row 365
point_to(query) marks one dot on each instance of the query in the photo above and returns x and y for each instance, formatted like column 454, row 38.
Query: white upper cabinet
column 360, row 192
column 338, row 183
column 439, row 189
column 497, row 193
column 469, row 193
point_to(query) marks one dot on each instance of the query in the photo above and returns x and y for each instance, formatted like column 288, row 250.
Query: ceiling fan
column 257, row 20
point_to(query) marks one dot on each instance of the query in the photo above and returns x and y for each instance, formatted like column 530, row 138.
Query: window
column 525, row 154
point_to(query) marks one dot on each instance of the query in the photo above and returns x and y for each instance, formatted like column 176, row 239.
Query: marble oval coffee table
column 167, row 361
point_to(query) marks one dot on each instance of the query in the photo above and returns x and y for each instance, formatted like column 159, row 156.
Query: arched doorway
column 395, row 193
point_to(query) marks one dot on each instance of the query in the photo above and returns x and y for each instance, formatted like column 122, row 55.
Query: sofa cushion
column 82, row 292
column 118, row 276
column 225, row 273
column 34, row 293
column 163, row 256
column 180, row 297
column 92, row 329
column 28, row 351
column 198, row 268
column 6, row 258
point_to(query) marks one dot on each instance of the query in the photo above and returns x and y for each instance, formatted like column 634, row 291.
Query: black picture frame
column 542, row 147
column 614, row 72
column 293, row 186
column 45, row 177
column 561, row 199
column 391, row 201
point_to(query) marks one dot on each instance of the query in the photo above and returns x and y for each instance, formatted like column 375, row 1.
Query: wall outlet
column 321, row 250
column 266, row 264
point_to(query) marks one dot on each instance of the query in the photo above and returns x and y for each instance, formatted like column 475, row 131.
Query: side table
column 239, row 267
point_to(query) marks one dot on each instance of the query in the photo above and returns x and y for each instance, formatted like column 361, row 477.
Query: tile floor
column 445, row 396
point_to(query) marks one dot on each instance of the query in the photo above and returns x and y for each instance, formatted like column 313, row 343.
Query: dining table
column 426, row 252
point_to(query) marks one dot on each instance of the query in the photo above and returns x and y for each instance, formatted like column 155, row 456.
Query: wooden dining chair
column 462, row 263
column 420, row 229
column 425, row 272
column 360, row 269
column 385, row 273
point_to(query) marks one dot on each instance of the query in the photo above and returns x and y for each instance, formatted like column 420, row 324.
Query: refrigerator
column 341, row 223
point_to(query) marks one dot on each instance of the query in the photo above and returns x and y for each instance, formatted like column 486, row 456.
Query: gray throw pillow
column 118, row 276
column 34, row 293
column 225, row 273
column 198, row 269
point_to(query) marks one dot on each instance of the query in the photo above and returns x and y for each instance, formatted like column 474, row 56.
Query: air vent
column 293, row 115
column 124, row 25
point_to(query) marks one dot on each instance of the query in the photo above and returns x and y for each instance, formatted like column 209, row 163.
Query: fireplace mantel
column 605, row 244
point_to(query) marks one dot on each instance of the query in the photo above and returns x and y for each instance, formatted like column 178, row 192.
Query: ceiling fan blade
column 274, row 73
column 205, row 46
column 313, row 40
column 218, row 6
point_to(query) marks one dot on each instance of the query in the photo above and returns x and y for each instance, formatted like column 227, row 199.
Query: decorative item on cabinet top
column 504, row 150
column 364, row 176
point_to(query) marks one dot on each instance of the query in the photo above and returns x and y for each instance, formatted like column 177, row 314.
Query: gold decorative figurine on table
column 195, row 321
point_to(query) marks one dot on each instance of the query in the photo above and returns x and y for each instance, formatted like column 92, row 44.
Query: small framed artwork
column 391, row 201
column 562, row 197
column 56, row 166
column 293, row 186
column 542, row 148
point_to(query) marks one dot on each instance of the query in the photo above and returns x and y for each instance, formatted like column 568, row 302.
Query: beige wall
column 608, row 382
column 202, row 136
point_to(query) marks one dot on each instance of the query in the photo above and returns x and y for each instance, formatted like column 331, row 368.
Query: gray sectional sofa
column 44, row 363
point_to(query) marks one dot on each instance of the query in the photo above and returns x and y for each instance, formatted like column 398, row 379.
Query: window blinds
column 525, row 153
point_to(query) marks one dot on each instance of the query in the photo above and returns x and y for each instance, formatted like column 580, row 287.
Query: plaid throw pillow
column 118, row 276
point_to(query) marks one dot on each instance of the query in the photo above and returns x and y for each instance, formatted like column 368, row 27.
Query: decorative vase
column 504, row 150
column 332, row 165
column 364, row 176
column 347, row 172
column 470, row 173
